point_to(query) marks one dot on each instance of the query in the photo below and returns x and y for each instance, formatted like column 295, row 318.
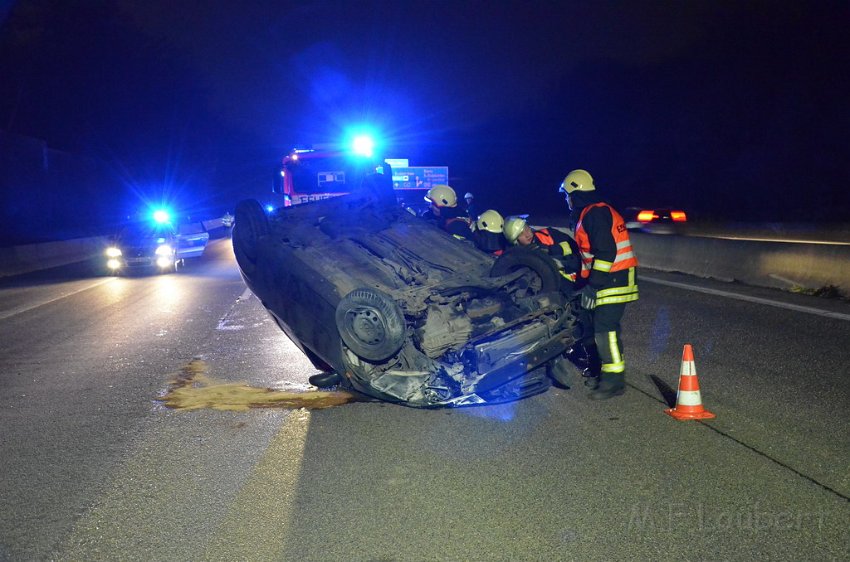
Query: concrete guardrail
column 783, row 265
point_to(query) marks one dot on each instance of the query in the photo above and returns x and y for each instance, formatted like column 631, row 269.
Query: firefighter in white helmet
column 449, row 216
column 608, row 275
column 488, row 232
column 471, row 209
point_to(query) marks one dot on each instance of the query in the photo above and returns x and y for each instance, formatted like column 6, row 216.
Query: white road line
column 22, row 309
column 786, row 241
column 224, row 321
column 757, row 300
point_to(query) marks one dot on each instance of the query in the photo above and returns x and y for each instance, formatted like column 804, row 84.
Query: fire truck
column 318, row 172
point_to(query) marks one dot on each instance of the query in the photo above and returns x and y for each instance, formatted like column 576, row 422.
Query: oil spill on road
column 192, row 389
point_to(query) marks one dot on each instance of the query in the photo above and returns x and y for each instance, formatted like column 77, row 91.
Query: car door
column 191, row 240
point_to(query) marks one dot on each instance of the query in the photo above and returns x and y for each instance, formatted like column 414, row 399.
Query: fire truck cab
column 321, row 172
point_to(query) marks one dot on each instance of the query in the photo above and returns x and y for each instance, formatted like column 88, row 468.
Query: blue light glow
column 161, row 216
column 363, row 145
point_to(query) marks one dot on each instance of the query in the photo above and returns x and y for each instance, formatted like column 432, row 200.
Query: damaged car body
column 401, row 310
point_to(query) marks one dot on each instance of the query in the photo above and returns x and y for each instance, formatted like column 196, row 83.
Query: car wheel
column 545, row 275
column 251, row 224
column 370, row 324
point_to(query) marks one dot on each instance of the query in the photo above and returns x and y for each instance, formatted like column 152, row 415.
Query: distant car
column 145, row 246
column 396, row 308
column 656, row 220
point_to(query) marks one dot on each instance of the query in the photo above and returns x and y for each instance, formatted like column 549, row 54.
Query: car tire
column 370, row 324
column 518, row 257
column 251, row 224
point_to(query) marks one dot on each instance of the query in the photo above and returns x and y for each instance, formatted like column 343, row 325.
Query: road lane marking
column 783, row 240
column 757, row 300
column 224, row 322
column 258, row 522
column 26, row 307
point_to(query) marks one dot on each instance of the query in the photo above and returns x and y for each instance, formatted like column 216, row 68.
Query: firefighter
column 449, row 216
column 488, row 233
column 564, row 250
column 608, row 267
column 558, row 245
column 471, row 210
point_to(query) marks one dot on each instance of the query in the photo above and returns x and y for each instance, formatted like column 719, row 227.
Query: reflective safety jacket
column 567, row 254
column 607, row 259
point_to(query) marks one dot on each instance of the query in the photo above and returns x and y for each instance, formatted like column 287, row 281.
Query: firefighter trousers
column 606, row 335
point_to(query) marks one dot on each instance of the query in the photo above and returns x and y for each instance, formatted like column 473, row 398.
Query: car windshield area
column 146, row 232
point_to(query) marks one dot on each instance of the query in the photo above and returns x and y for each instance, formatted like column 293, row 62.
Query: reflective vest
column 624, row 259
column 546, row 239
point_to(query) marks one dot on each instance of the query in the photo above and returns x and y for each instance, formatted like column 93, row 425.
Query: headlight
column 113, row 252
column 164, row 250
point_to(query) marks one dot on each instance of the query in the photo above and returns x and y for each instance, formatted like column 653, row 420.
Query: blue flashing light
column 161, row 216
column 363, row 145
column 269, row 208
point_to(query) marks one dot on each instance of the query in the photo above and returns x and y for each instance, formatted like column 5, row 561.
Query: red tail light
column 678, row 216
column 647, row 216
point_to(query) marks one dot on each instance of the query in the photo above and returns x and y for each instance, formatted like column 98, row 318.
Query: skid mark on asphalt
column 192, row 389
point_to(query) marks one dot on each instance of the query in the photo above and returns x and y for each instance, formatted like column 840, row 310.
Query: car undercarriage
column 401, row 310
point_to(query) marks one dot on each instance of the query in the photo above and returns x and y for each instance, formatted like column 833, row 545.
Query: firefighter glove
column 588, row 297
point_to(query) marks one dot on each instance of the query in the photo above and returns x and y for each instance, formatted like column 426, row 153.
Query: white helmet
column 442, row 196
column 513, row 228
column 491, row 221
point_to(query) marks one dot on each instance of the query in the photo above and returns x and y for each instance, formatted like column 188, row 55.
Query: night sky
column 731, row 110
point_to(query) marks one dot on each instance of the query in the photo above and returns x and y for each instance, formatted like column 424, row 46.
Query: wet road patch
column 193, row 389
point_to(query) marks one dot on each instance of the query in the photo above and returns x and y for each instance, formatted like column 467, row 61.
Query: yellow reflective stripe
column 617, row 364
column 617, row 291
column 565, row 247
column 617, row 299
column 614, row 367
column 602, row 265
column 616, row 357
column 570, row 276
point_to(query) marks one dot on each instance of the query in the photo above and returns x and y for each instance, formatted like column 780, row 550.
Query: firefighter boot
column 610, row 385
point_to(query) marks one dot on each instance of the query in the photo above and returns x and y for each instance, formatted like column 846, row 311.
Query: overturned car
column 401, row 310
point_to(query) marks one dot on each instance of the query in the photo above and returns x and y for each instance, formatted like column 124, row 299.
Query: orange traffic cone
column 688, row 399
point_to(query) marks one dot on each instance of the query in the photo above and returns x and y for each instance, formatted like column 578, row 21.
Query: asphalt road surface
column 93, row 466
